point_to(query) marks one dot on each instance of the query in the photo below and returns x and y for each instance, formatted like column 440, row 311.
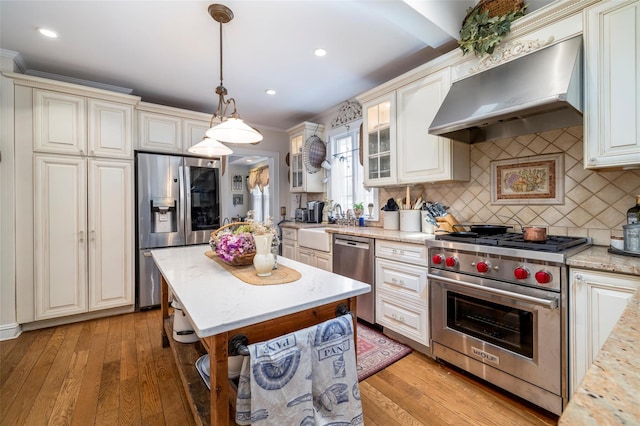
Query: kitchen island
column 221, row 306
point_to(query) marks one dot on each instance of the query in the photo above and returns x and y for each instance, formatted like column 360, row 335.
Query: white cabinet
column 77, row 125
column 423, row 157
column 315, row 258
column 60, row 236
column 397, row 146
column 170, row 130
column 612, row 82
column 83, row 235
column 111, row 233
column 110, row 129
column 379, row 141
column 194, row 132
column 597, row 301
column 289, row 243
column 402, row 290
column 59, row 123
column 300, row 180
column 402, row 252
column 401, row 299
column 159, row 132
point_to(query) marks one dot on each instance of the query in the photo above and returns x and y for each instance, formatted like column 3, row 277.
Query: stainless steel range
column 499, row 311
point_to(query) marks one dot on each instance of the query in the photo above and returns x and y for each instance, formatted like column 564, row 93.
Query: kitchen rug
column 376, row 351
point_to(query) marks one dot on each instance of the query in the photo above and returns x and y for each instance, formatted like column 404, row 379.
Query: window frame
column 352, row 128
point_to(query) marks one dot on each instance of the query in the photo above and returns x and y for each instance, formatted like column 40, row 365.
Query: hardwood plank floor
column 114, row 371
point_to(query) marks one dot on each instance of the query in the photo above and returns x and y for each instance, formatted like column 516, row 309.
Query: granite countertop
column 610, row 392
column 215, row 301
column 598, row 258
column 365, row 231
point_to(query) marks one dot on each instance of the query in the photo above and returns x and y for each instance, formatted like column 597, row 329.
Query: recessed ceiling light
column 320, row 52
column 270, row 92
column 48, row 33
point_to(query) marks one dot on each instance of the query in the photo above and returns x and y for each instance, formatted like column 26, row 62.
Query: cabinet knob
column 81, row 236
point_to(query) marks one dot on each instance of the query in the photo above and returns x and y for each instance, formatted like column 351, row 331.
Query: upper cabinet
column 301, row 179
column 110, row 129
column 380, row 140
column 612, row 83
column 170, row 130
column 60, row 121
column 78, row 125
column 397, row 146
column 423, row 157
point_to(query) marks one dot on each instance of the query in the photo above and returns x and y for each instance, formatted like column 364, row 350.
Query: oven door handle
column 549, row 304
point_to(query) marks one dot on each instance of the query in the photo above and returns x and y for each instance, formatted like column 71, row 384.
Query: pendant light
column 210, row 148
column 231, row 129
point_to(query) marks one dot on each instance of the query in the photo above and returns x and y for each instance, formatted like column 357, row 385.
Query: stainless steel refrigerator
column 178, row 203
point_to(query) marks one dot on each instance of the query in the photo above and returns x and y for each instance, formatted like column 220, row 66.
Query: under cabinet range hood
column 538, row 92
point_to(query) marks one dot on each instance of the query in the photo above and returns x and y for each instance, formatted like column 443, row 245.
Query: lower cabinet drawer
column 405, row 318
column 402, row 280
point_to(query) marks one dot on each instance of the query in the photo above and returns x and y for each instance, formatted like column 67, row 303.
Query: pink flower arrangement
column 231, row 245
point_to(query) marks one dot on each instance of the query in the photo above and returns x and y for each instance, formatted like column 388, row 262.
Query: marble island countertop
column 215, row 301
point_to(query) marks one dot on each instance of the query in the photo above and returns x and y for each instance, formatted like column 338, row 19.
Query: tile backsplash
column 595, row 202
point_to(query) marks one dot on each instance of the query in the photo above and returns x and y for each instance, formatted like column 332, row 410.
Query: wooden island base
column 214, row 407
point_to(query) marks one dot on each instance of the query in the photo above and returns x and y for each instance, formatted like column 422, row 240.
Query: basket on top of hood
column 538, row 92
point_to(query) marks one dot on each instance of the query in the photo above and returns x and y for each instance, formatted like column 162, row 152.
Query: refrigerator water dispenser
column 163, row 215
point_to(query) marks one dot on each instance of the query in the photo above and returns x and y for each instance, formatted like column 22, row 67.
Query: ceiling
column 167, row 52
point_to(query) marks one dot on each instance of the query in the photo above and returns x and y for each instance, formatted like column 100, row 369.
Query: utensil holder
column 426, row 226
column 410, row 220
column 391, row 220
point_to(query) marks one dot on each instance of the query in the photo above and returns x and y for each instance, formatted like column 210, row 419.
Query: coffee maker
column 314, row 211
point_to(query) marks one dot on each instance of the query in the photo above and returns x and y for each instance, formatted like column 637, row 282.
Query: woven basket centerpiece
column 496, row 7
column 239, row 259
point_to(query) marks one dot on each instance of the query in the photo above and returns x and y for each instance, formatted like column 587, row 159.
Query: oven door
column 512, row 328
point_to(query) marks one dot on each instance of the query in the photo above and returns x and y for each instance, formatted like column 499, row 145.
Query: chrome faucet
column 338, row 209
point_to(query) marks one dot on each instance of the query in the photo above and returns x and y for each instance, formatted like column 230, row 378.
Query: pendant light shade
column 231, row 128
column 210, row 148
column 234, row 130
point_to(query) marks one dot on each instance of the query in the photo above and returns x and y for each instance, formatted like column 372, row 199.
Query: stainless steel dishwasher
column 354, row 257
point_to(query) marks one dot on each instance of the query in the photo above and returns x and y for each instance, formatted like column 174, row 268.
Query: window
column 347, row 175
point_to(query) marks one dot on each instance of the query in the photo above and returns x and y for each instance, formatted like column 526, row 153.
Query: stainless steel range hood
column 538, row 92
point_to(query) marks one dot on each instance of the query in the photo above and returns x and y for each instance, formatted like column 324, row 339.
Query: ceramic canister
column 391, row 220
column 410, row 220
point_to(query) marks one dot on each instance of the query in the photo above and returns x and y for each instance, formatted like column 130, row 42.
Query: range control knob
column 543, row 277
column 437, row 259
column 451, row 261
column 521, row 273
column 482, row 267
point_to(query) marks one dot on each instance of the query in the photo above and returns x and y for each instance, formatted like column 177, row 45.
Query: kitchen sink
column 314, row 238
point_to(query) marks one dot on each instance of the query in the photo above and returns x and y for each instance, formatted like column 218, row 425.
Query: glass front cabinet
column 379, row 141
column 300, row 179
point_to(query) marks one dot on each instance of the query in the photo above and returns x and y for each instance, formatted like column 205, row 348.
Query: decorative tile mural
column 595, row 202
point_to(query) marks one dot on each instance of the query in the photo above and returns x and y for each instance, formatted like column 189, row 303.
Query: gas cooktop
column 553, row 243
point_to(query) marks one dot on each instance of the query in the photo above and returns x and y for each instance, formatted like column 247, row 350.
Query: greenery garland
column 481, row 34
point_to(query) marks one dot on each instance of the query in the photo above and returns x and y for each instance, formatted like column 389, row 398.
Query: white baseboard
column 10, row 331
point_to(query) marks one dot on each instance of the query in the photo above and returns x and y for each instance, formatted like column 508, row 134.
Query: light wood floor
column 114, row 371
